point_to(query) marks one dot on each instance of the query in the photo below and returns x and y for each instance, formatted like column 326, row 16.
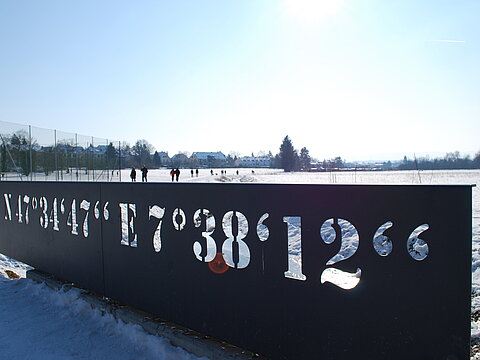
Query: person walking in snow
column 133, row 174
column 144, row 173
column 172, row 174
column 177, row 173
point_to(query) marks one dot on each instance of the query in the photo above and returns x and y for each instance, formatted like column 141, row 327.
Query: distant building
column 179, row 160
column 61, row 148
column 256, row 161
column 208, row 159
column 160, row 158
column 164, row 157
column 99, row 149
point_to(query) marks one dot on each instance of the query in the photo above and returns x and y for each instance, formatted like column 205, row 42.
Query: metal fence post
column 93, row 162
column 106, row 161
column 76, row 155
column 55, row 153
column 30, row 143
column 119, row 162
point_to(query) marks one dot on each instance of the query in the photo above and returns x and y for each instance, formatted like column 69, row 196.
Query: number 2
column 349, row 238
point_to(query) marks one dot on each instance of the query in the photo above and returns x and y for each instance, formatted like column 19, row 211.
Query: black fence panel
column 287, row 271
column 52, row 227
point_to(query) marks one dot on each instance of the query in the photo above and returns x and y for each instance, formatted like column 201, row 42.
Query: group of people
column 133, row 174
column 196, row 172
column 175, row 173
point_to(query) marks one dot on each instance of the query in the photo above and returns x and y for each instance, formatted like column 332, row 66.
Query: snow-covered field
column 40, row 323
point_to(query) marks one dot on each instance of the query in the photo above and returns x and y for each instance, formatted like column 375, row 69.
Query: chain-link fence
column 33, row 153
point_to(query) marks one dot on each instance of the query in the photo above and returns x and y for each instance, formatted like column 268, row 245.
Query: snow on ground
column 40, row 323
column 10, row 268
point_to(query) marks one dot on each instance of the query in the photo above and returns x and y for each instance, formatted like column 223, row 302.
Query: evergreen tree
column 15, row 140
column 111, row 155
column 19, row 150
column 288, row 155
column 157, row 161
column 476, row 160
column 338, row 162
column 296, row 161
column 305, row 160
column 141, row 151
column 230, row 160
column 4, row 158
column 275, row 162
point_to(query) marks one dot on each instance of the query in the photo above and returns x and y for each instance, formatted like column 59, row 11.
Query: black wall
column 402, row 308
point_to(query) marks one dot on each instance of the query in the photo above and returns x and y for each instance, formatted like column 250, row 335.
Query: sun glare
column 312, row 12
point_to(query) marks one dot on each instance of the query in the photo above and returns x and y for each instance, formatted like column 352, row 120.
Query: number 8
column 228, row 244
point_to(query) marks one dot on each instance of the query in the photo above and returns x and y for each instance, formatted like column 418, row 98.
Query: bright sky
column 360, row 79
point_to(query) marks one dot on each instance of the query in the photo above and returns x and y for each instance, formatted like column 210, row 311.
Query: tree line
column 290, row 159
column 19, row 153
column 450, row 161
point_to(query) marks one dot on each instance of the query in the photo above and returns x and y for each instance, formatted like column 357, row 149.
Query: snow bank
column 41, row 323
